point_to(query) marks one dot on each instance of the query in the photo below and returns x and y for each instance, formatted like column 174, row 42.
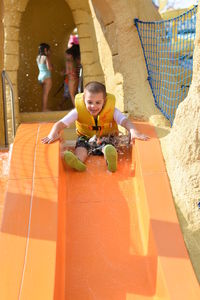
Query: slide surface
column 91, row 235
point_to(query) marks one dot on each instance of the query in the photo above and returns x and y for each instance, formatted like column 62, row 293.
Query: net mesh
column 168, row 50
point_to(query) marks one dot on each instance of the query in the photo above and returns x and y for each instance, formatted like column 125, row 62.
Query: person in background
column 72, row 72
column 45, row 68
column 73, row 40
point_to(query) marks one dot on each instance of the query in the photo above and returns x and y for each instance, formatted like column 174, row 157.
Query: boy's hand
column 137, row 135
column 134, row 134
column 50, row 139
column 54, row 133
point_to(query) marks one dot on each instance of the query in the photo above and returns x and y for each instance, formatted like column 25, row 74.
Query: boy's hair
column 96, row 87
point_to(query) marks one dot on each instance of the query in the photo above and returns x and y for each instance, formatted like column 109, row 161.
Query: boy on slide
column 96, row 124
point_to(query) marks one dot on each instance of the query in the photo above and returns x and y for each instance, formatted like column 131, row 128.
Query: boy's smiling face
column 94, row 102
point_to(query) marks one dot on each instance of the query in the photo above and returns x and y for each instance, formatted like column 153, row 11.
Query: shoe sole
column 111, row 157
column 72, row 161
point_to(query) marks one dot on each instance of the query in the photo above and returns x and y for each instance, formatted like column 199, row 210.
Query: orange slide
column 92, row 235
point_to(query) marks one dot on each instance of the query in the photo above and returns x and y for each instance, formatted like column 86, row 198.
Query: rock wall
column 11, row 20
column 1, row 69
column 182, row 147
column 121, row 55
column 110, row 52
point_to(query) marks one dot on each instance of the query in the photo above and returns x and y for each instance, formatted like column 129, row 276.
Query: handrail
column 4, row 78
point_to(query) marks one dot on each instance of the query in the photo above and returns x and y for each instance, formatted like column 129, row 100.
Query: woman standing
column 73, row 65
column 44, row 77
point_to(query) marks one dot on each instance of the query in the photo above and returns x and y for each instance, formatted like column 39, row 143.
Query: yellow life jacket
column 85, row 124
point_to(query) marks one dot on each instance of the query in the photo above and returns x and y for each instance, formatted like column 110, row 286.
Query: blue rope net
column 168, row 50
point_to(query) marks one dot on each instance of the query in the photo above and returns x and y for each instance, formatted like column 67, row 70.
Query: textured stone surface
column 87, row 44
column 121, row 55
column 11, row 62
column 182, row 148
column 182, row 155
column 1, row 68
column 12, row 17
column 84, row 30
column 77, row 4
column 11, row 47
column 87, row 57
column 80, row 16
column 92, row 69
column 88, row 78
column 104, row 11
column 110, row 34
column 15, row 5
column 11, row 34
column 13, row 77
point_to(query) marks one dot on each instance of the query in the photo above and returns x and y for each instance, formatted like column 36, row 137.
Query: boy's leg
column 110, row 155
column 81, row 153
column 76, row 160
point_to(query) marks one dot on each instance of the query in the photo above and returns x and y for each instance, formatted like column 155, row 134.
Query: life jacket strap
column 97, row 128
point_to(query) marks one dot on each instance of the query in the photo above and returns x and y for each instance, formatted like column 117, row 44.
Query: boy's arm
column 54, row 133
column 60, row 125
column 126, row 123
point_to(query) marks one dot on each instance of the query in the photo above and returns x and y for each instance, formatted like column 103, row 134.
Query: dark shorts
column 93, row 145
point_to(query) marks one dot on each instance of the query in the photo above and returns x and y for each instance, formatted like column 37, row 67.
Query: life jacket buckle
column 97, row 128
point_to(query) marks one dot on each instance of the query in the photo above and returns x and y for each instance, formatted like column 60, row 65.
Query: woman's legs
column 73, row 87
column 47, row 84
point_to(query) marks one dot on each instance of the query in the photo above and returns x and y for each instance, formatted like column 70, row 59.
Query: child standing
column 44, row 77
column 95, row 115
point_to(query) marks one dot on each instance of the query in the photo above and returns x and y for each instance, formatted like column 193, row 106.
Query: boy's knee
column 81, row 153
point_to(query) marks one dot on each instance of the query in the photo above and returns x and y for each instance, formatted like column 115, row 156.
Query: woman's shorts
column 44, row 75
